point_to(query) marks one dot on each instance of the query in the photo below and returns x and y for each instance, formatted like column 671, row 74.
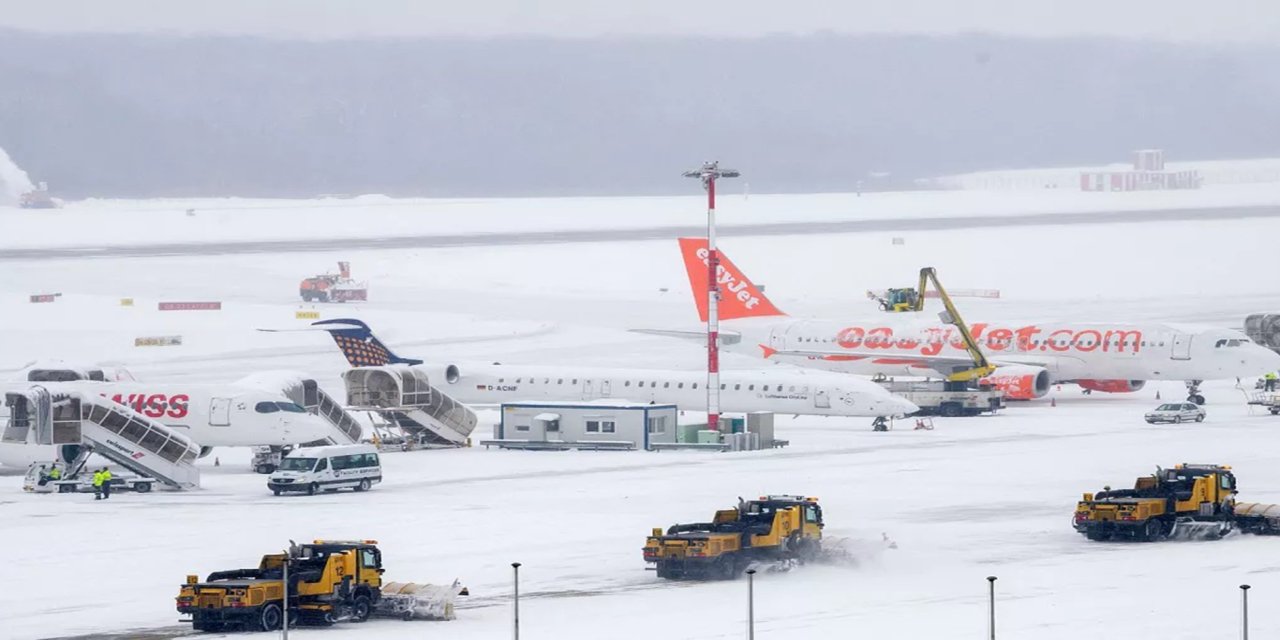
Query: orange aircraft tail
column 739, row 297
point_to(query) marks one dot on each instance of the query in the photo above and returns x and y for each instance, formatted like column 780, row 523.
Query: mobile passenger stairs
column 81, row 424
column 403, row 396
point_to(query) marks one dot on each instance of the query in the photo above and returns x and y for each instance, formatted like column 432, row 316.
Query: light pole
column 708, row 173
column 1244, row 611
column 516, row 566
column 284, row 623
column 991, row 581
column 751, row 604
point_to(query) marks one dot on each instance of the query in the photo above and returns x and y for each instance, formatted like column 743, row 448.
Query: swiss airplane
column 1114, row 358
column 792, row 391
column 253, row 411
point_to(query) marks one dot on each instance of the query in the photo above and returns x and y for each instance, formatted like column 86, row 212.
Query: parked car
column 1176, row 412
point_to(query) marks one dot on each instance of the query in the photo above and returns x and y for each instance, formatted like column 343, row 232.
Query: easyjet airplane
column 1115, row 358
column 254, row 411
column 792, row 391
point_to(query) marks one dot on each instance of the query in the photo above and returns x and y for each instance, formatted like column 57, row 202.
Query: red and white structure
column 1148, row 174
column 708, row 173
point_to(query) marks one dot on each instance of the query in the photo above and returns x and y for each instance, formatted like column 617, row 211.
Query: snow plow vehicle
column 328, row 287
column 329, row 581
column 1188, row 501
column 774, row 530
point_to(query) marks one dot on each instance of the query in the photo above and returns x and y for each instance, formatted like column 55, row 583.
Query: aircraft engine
column 1112, row 386
column 1019, row 382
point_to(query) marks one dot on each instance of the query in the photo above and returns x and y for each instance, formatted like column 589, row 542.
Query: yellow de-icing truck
column 329, row 581
column 772, row 529
column 1189, row 500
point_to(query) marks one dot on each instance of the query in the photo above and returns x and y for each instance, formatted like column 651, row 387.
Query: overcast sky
column 1213, row 21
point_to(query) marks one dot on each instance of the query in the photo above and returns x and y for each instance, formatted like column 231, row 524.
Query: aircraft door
column 1181, row 347
column 587, row 392
column 220, row 412
column 821, row 399
column 605, row 389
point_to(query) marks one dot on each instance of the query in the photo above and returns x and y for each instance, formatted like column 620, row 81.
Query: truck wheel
column 264, row 469
column 725, row 569
column 364, row 485
column 142, row 487
column 312, row 489
column 1095, row 535
column 361, row 609
column 322, row 296
column 66, row 488
column 269, row 618
column 1152, row 531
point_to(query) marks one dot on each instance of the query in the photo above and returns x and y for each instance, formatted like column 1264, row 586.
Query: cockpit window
column 290, row 407
column 266, row 407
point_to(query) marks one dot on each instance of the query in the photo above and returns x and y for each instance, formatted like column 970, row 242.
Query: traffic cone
column 1157, row 394
column 217, row 463
column 1053, row 402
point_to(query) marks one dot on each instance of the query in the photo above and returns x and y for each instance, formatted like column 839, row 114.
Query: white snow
column 972, row 498
column 13, row 180
column 105, row 223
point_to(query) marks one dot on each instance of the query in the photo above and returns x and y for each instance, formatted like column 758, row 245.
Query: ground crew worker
column 106, row 483
column 55, row 473
column 44, row 476
column 1270, row 379
column 97, row 485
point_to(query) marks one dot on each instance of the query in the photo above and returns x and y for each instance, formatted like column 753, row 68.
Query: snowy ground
column 106, row 223
column 972, row 498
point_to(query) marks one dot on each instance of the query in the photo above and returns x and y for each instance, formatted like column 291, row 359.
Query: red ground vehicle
column 333, row 288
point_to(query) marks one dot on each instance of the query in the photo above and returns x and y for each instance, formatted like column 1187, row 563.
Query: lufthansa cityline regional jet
column 1114, row 358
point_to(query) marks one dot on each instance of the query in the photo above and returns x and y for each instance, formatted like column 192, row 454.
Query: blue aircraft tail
column 356, row 341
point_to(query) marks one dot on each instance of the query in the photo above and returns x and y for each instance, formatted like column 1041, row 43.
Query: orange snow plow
column 330, row 287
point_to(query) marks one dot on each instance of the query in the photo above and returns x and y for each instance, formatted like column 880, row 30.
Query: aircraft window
column 518, row 380
column 751, row 387
column 680, row 385
column 546, row 381
column 266, row 407
column 737, row 387
column 723, row 386
column 666, row 385
column 500, row 380
column 695, row 385
column 560, row 381
column 779, row 388
column 290, row 407
column 653, row 384
column 792, row 389
column 627, row 383
column 575, row 381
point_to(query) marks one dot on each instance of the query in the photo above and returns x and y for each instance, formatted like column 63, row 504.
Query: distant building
column 1148, row 174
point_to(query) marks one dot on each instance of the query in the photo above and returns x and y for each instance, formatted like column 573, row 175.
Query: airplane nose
column 1265, row 359
column 896, row 406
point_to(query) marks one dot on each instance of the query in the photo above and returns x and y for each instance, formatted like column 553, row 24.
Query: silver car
column 1176, row 412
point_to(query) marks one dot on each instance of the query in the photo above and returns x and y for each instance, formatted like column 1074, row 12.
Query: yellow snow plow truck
column 1187, row 501
column 776, row 531
column 329, row 581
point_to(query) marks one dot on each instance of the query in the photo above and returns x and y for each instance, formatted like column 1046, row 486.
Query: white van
column 313, row 469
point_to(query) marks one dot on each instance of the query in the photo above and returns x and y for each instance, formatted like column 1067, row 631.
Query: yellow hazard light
column 812, row 499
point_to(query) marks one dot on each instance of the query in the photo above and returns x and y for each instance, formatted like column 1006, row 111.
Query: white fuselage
column 212, row 415
column 1069, row 352
column 784, row 391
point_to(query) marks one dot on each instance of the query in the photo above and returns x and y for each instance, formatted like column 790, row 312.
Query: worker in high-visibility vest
column 55, row 473
column 97, row 484
column 1270, row 380
column 106, row 483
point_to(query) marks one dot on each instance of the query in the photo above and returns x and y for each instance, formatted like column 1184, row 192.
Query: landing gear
column 1193, row 392
column 880, row 424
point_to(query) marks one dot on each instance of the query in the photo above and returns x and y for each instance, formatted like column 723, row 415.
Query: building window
column 600, row 426
column 606, row 426
column 658, row 424
column 593, row 426
column 522, row 427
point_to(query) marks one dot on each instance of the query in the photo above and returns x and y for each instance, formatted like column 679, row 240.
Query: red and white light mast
column 708, row 174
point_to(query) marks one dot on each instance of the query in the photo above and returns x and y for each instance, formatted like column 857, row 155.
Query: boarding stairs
column 346, row 429
column 403, row 396
column 80, row 424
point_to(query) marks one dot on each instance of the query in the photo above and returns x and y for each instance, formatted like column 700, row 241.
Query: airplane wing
column 940, row 363
column 726, row 337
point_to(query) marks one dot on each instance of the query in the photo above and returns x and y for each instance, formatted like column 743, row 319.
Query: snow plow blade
column 1258, row 519
column 414, row 601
